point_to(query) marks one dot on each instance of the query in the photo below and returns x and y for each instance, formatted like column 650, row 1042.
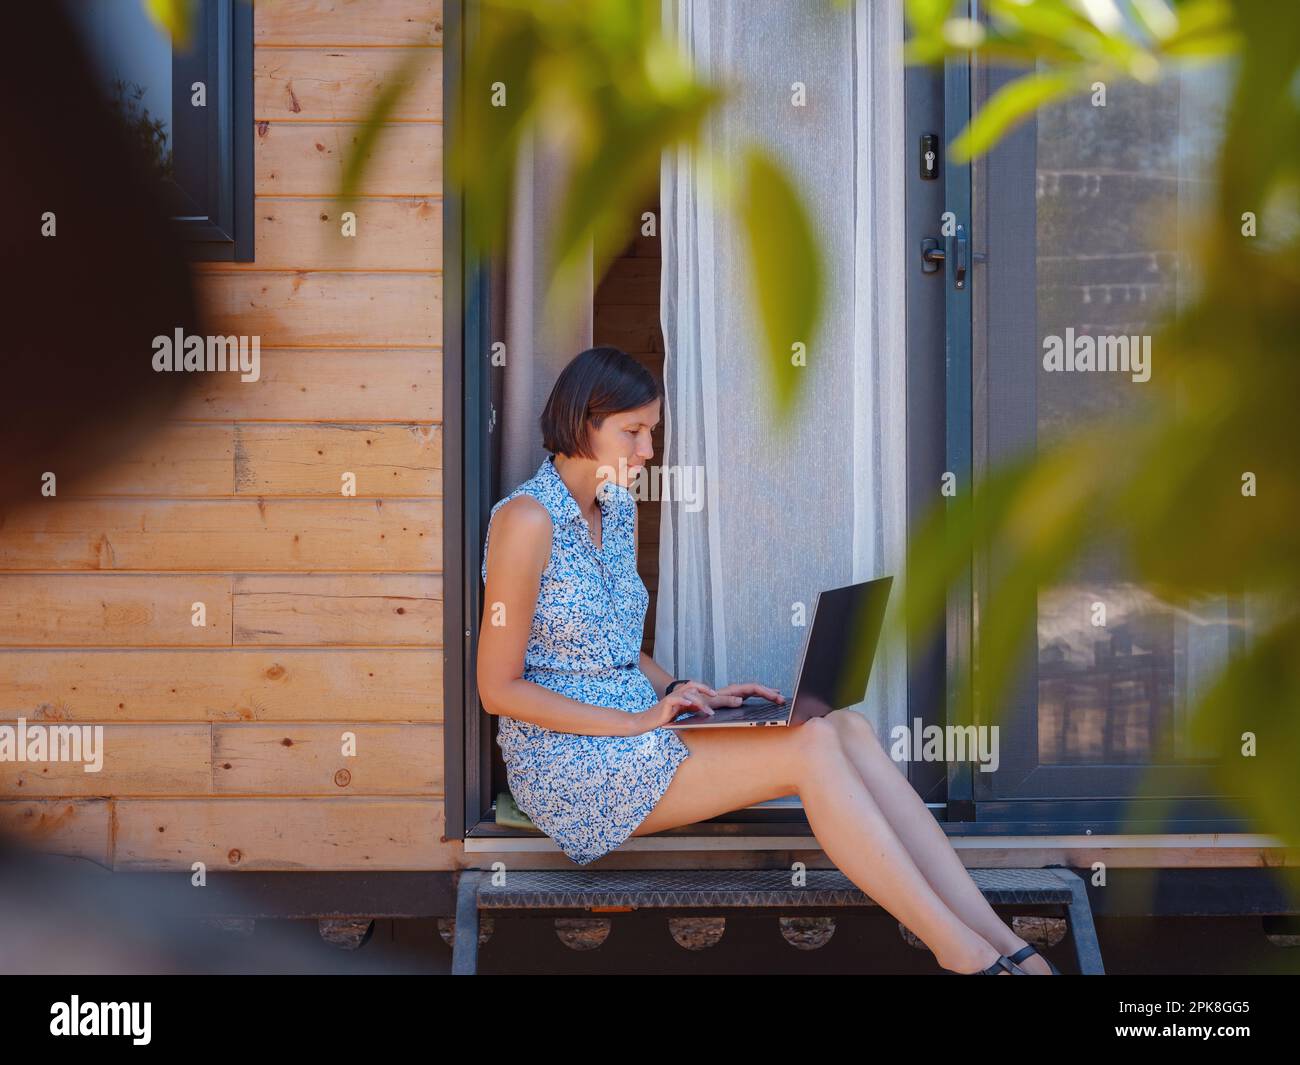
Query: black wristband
column 669, row 690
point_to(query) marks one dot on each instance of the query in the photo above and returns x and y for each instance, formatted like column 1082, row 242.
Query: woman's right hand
column 684, row 699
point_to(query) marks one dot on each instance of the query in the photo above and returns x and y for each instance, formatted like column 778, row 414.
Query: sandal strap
column 1003, row 962
column 1023, row 952
column 1029, row 949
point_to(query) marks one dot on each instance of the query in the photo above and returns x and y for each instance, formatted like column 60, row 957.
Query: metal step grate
column 657, row 889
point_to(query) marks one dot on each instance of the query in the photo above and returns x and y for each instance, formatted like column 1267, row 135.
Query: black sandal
column 1003, row 962
column 1029, row 949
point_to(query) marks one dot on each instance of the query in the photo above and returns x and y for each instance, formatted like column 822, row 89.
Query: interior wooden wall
column 324, row 612
column 626, row 315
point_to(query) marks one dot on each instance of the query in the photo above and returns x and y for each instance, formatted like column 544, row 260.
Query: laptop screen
column 842, row 645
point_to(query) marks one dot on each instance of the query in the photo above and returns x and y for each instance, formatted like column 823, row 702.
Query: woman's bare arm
column 654, row 672
column 519, row 548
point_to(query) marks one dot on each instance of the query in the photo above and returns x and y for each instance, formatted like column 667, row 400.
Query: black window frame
column 222, row 50
column 212, row 146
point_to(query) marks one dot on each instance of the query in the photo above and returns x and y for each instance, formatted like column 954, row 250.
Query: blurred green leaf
column 500, row 99
column 1156, row 18
column 1251, row 716
column 786, row 272
column 176, row 18
column 927, row 16
column 397, row 83
column 608, row 184
column 1010, row 106
column 596, row 79
column 1205, row 20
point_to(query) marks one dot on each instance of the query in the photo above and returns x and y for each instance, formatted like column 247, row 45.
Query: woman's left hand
column 703, row 693
column 735, row 694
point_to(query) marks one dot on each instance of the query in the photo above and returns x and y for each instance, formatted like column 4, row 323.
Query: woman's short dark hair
column 595, row 384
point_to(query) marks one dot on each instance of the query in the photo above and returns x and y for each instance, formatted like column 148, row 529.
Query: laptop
column 834, row 663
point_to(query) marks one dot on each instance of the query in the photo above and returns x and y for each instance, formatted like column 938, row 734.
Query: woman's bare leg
column 923, row 837
column 730, row 769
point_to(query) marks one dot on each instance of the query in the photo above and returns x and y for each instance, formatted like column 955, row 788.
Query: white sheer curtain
column 537, row 346
column 784, row 517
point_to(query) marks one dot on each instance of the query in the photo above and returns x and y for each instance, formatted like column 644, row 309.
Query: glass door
column 1079, row 224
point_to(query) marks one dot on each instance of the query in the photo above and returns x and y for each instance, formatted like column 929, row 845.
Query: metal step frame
column 564, row 892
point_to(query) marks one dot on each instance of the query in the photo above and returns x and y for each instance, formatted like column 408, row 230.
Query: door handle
column 959, row 259
column 933, row 256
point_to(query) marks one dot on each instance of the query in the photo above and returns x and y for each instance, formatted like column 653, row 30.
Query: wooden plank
column 302, row 159
column 173, row 460
column 647, row 247
column 358, row 22
column 356, row 611
column 654, row 362
column 126, row 610
column 285, row 459
column 202, row 759
column 343, row 84
column 628, row 326
column 72, row 610
column 264, row 834
column 325, row 309
column 632, row 282
column 132, row 759
column 313, row 384
column 225, row 684
column 245, row 535
column 306, row 234
column 75, row 828
column 301, row 759
column 649, row 515
column 386, row 460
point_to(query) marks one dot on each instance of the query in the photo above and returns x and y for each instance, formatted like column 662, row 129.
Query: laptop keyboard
column 764, row 711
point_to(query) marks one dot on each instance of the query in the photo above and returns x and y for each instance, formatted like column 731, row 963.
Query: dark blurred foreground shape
column 82, row 307
column 62, row 915
column 80, row 311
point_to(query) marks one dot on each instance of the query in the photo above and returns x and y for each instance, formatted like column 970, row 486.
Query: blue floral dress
column 588, row 793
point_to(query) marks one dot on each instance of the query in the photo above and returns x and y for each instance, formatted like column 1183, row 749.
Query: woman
column 582, row 708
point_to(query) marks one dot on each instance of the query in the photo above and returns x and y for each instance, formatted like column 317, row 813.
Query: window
column 191, row 110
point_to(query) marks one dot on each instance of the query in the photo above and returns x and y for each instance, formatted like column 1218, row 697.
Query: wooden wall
column 626, row 315
column 224, row 743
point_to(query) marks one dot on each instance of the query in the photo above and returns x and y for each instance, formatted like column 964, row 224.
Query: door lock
column 929, row 156
column 931, row 255
column 934, row 256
